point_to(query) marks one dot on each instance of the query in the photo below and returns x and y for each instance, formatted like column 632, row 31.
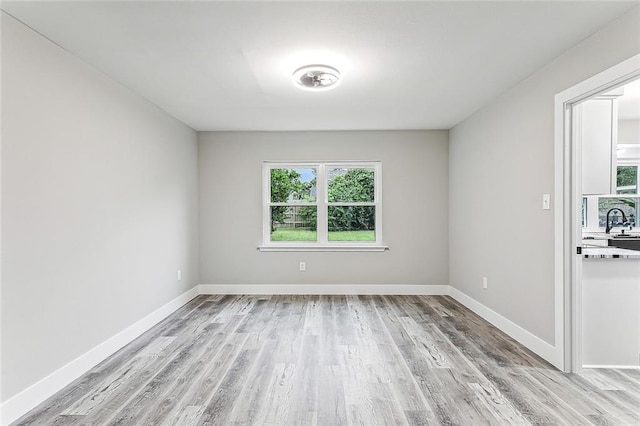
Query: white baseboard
column 20, row 404
column 541, row 348
column 325, row 289
column 617, row 367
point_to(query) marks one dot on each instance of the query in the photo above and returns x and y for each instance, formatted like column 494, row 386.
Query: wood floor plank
column 313, row 318
column 445, row 408
column 531, row 400
column 335, row 360
column 49, row 412
column 153, row 381
column 304, row 404
column 425, row 344
column 527, row 400
column 198, row 362
column 188, row 416
column 251, row 396
column 219, row 409
column 279, row 394
column 201, row 389
column 184, row 333
column 329, row 332
column 402, row 381
column 332, row 409
column 557, row 383
column 499, row 406
column 156, row 397
column 624, row 380
column 358, row 399
column 345, row 331
column 255, row 320
column 386, row 407
column 239, row 306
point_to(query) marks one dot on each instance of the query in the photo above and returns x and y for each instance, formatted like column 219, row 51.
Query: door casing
column 567, row 214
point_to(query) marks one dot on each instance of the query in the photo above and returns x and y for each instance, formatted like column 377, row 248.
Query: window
column 322, row 206
column 627, row 180
column 629, row 205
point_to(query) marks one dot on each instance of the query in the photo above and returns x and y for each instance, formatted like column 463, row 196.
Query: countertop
column 603, row 236
column 595, row 252
column 600, row 250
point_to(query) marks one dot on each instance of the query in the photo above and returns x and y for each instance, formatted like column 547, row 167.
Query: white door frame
column 567, row 198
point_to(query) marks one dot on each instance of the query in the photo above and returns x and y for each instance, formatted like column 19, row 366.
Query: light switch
column 546, row 201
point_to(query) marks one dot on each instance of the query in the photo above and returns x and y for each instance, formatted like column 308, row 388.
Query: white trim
column 567, row 236
column 617, row 367
column 20, row 404
column 28, row 399
column 326, row 289
column 562, row 239
column 313, row 247
column 574, row 144
column 531, row 341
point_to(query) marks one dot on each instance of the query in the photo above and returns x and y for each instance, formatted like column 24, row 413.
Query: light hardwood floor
column 332, row 360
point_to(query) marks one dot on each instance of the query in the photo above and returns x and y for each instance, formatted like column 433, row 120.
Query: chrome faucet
column 609, row 226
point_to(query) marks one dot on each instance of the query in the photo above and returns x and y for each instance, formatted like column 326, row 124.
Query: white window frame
column 322, row 203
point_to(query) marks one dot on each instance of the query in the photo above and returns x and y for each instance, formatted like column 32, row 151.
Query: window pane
column 629, row 206
column 350, row 185
column 293, row 185
column 352, row 223
column 294, row 223
column 627, row 180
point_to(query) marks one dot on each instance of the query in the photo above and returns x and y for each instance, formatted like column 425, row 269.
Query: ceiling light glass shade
column 316, row 77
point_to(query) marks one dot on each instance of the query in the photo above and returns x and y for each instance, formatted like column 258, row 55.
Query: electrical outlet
column 303, row 266
column 485, row 284
column 179, row 274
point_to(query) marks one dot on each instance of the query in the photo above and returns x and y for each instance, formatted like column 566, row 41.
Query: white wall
column 629, row 132
column 501, row 161
column 415, row 208
column 99, row 208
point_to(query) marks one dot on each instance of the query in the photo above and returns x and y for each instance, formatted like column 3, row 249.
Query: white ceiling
column 406, row 65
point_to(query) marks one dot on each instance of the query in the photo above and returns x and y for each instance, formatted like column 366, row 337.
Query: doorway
column 569, row 218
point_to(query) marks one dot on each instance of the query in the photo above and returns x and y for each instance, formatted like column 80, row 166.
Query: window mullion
column 321, row 198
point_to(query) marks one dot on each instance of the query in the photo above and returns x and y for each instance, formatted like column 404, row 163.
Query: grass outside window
column 289, row 234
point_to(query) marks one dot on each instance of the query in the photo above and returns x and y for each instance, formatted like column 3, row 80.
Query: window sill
column 324, row 248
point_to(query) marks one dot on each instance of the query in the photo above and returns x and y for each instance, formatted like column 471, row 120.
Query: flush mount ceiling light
column 316, row 77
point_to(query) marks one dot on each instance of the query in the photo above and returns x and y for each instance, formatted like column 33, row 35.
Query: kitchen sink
column 629, row 242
